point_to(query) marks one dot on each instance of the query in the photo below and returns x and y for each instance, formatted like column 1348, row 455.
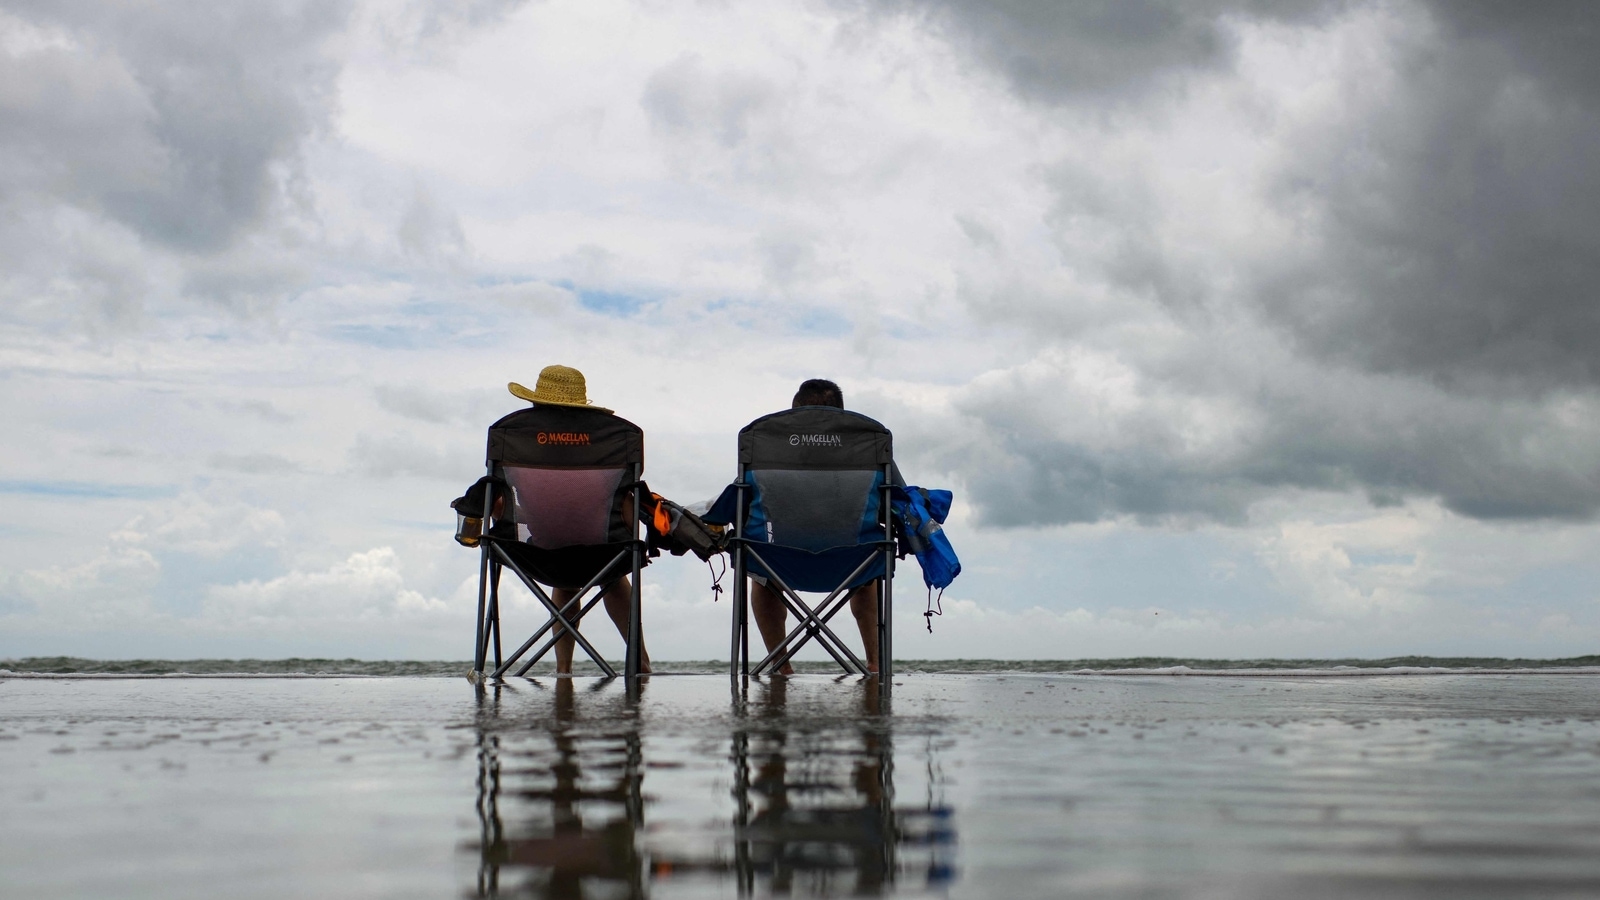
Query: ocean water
column 1412, row 780
column 1144, row 665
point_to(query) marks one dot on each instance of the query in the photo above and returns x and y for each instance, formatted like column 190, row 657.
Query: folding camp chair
column 568, row 482
column 810, row 511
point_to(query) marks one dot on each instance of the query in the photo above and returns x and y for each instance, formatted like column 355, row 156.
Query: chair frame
column 494, row 558
column 813, row 622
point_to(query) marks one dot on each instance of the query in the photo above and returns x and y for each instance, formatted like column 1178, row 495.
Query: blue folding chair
column 810, row 513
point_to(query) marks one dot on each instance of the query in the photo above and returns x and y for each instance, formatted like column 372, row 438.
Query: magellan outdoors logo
column 566, row 438
column 815, row 440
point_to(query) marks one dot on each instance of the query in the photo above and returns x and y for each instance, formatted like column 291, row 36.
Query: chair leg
column 550, row 623
column 633, row 655
column 633, row 661
column 740, row 589
column 886, row 625
column 811, row 623
column 886, row 591
column 494, row 609
column 539, row 654
column 744, row 632
column 583, row 642
column 483, row 599
column 556, row 613
column 480, row 628
column 815, row 627
column 739, row 659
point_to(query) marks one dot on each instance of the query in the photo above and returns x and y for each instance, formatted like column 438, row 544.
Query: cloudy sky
column 1239, row 328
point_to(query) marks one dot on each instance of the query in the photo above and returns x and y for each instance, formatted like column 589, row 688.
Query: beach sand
column 965, row 785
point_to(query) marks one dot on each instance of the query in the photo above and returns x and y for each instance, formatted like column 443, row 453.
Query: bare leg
column 619, row 596
column 864, row 604
column 564, row 641
column 770, row 615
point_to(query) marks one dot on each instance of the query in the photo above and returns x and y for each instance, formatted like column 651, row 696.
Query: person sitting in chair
column 565, row 386
column 768, row 608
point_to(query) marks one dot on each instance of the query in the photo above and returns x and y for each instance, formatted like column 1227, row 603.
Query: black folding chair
column 567, row 484
column 810, row 511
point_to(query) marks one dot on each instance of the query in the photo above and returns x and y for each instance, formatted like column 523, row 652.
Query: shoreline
column 902, row 671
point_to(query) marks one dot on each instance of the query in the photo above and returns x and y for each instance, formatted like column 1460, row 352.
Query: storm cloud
column 129, row 132
column 168, row 119
column 1455, row 225
column 1408, row 304
column 1095, row 50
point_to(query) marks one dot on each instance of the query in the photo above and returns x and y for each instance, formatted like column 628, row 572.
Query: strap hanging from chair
column 716, row 579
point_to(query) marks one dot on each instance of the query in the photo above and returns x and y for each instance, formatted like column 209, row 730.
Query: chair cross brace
column 558, row 615
column 551, row 642
column 811, row 623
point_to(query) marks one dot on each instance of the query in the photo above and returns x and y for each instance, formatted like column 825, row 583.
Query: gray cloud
column 1430, row 330
column 399, row 455
column 262, row 409
column 428, row 232
column 432, row 29
column 147, row 151
column 169, row 119
column 249, row 278
column 418, row 402
column 1034, row 451
column 1457, row 225
column 254, row 463
column 683, row 98
column 722, row 124
column 1095, row 50
column 1551, row 40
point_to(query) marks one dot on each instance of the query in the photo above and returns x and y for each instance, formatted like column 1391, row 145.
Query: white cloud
column 120, row 583
column 267, row 273
column 192, row 524
column 363, row 587
column 108, row 590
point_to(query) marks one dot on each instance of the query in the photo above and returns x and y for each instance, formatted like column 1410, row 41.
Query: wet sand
column 1036, row 785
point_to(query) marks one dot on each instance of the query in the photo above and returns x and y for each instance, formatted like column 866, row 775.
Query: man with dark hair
column 818, row 392
column 770, row 613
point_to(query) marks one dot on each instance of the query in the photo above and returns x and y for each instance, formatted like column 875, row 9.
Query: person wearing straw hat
column 565, row 386
column 557, row 386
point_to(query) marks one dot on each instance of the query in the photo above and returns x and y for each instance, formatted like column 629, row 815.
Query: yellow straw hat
column 557, row 386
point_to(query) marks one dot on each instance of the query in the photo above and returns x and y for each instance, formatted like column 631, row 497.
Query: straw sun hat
column 557, row 386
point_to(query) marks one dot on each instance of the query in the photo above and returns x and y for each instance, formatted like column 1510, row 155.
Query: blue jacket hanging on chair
column 919, row 514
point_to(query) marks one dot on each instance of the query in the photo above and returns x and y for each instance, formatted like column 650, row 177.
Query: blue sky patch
column 611, row 303
column 822, row 323
column 88, row 489
column 1380, row 558
column 388, row 337
column 607, row 303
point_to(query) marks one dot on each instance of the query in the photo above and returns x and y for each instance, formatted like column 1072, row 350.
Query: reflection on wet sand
column 575, row 814
column 815, row 807
column 812, row 806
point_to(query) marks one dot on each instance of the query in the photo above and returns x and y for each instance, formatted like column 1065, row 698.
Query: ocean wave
column 74, row 667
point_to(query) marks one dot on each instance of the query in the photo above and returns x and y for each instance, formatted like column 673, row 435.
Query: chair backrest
column 816, row 474
column 567, row 468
